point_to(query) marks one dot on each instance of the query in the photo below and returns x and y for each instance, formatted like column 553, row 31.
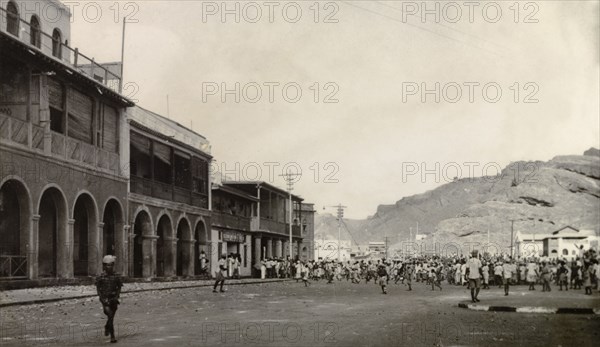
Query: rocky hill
column 539, row 196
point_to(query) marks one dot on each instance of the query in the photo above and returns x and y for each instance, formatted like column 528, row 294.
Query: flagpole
column 122, row 55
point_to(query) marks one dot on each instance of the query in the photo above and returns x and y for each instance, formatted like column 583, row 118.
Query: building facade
column 271, row 224
column 307, row 225
column 63, row 147
column 232, row 214
column 169, row 197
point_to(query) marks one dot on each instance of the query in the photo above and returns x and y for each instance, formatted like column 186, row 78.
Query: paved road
column 288, row 314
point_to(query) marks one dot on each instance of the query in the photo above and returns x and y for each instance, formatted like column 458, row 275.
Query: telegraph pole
column 340, row 215
column 289, row 179
column 512, row 231
column 386, row 247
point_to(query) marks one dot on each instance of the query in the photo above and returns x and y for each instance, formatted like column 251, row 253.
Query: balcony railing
column 13, row 266
column 165, row 191
column 229, row 221
column 279, row 227
column 61, row 52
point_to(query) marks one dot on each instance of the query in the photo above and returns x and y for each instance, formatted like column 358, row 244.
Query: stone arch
column 55, row 251
column 113, row 232
column 184, row 247
column 15, row 229
column 164, row 245
column 201, row 244
column 86, row 238
column 143, row 244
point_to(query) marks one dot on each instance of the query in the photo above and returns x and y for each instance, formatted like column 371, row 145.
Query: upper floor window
column 12, row 20
column 36, row 33
column 56, row 43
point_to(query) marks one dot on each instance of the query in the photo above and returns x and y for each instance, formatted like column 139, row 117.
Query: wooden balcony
column 230, row 221
column 279, row 227
column 32, row 137
column 167, row 192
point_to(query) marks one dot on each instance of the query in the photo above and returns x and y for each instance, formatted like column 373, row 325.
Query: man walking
column 108, row 285
column 474, row 268
column 509, row 269
column 220, row 274
column 382, row 274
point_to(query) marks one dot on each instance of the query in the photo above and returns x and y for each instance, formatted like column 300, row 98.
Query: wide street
column 288, row 314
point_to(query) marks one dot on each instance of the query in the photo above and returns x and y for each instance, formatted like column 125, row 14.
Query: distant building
column 529, row 245
column 565, row 242
column 307, row 223
column 270, row 224
column 328, row 249
column 232, row 213
column 377, row 248
column 562, row 243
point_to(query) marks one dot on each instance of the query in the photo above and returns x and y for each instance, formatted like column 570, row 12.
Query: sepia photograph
column 300, row 173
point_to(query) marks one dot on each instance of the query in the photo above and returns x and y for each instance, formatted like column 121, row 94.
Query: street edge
column 85, row 296
column 530, row 309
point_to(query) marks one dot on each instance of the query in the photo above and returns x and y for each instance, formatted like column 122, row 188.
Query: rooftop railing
column 52, row 47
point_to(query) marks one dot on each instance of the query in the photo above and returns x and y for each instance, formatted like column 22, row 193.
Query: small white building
column 566, row 242
column 328, row 249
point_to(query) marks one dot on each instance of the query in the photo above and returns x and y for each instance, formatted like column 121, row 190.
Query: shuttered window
column 80, row 116
column 55, row 94
column 199, row 175
column 162, row 163
column 140, row 155
column 109, row 129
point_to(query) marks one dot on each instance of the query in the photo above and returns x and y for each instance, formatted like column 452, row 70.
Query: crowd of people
column 476, row 272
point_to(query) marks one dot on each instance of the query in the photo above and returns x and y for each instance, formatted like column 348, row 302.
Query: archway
column 183, row 248
column 12, row 18
column 53, row 252
column 141, row 227
column 164, row 263
column 113, row 225
column 15, row 217
column 85, row 237
column 200, row 245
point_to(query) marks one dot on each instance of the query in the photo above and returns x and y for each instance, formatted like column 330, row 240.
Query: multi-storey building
column 307, row 223
column 232, row 214
column 63, row 147
column 270, row 224
column 169, row 196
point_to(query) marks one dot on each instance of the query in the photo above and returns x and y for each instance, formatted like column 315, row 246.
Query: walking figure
column 220, row 274
column 108, row 285
column 383, row 275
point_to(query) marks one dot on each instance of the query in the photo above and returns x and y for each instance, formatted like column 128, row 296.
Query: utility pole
column 512, row 231
column 340, row 215
column 386, row 247
column 122, row 56
column 289, row 179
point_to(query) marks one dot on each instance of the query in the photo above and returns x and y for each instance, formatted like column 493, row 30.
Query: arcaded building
column 169, row 197
column 63, row 148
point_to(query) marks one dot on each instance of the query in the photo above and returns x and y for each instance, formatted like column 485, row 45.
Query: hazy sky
column 371, row 54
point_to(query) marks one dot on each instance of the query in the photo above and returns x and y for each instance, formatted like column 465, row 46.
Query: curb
column 85, row 296
column 530, row 309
